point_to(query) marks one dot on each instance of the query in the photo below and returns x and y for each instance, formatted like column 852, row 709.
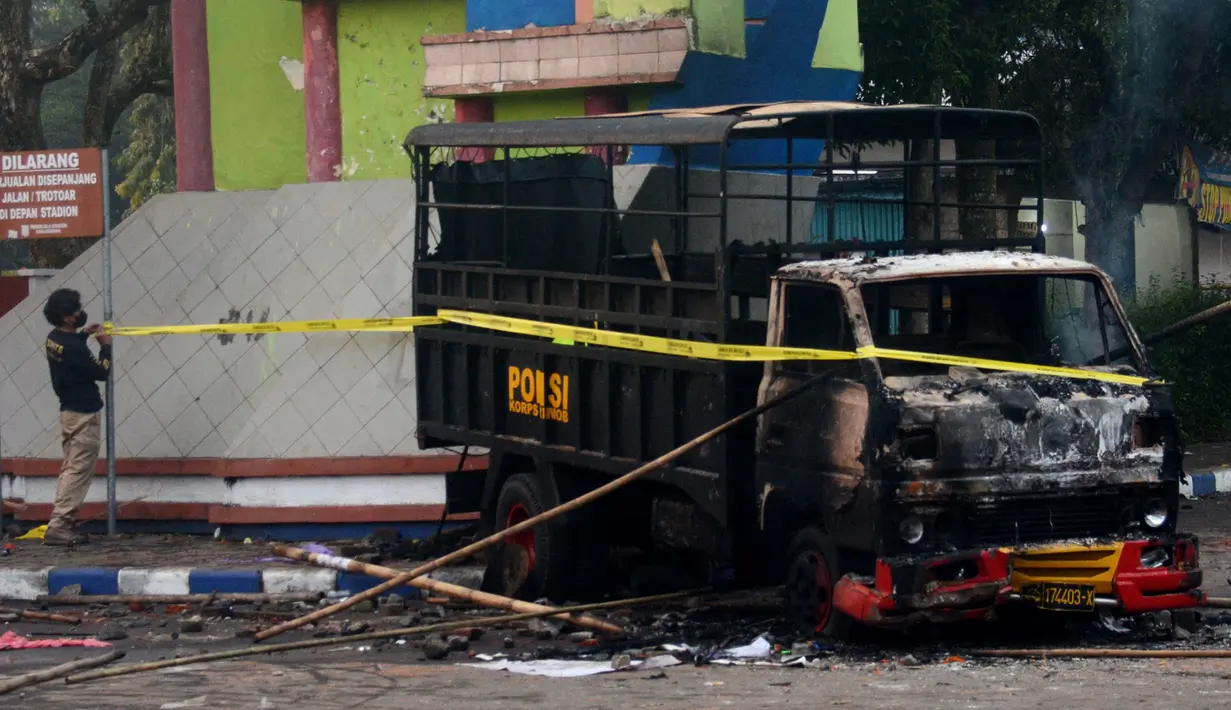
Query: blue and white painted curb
column 1207, row 484
column 29, row 584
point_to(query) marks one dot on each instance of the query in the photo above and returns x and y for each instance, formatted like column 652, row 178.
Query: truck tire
column 535, row 562
column 812, row 573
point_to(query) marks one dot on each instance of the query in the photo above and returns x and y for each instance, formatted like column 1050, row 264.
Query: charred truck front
column 979, row 428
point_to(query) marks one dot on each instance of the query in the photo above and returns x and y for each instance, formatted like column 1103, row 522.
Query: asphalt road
column 396, row 676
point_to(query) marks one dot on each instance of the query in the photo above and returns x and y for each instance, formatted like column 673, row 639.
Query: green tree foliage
column 1197, row 362
column 148, row 163
column 70, row 73
column 1115, row 83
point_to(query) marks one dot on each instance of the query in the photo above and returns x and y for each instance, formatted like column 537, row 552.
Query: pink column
column 477, row 109
column 600, row 102
column 194, row 148
column 322, row 109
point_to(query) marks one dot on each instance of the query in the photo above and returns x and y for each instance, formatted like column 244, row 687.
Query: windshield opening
column 1059, row 320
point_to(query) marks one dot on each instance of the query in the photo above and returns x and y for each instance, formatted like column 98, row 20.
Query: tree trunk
column 919, row 223
column 20, row 100
column 1111, row 244
column 95, row 132
column 976, row 184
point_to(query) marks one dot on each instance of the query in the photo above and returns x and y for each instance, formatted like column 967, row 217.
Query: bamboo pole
column 40, row 616
column 1102, row 653
column 245, row 597
column 546, row 515
column 59, row 671
column 1217, row 603
column 456, row 591
column 374, row 636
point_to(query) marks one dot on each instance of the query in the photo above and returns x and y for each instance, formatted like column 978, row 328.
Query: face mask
column 82, row 319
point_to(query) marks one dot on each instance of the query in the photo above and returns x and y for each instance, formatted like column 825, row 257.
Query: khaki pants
column 80, row 434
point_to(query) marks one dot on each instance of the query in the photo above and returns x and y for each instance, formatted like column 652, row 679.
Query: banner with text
column 51, row 193
column 1205, row 183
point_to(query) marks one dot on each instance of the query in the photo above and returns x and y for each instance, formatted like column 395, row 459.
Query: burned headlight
column 911, row 530
column 1155, row 513
column 1155, row 557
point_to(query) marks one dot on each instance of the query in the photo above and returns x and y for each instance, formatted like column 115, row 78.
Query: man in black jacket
column 75, row 374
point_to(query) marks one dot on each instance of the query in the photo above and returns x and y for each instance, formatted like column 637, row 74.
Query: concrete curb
column 28, row 584
column 1207, row 483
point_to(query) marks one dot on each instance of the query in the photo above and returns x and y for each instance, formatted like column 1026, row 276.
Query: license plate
column 1060, row 597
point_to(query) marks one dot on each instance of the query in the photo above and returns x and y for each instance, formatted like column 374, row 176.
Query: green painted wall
column 381, row 72
column 629, row 9
column 720, row 26
column 838, row 46
column 257, row 116
column 534, row 106
column 639, row 98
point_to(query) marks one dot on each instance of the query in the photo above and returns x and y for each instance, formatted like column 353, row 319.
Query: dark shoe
column 60, row 538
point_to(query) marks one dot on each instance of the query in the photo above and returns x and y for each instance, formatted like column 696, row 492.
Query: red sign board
column 51, row 193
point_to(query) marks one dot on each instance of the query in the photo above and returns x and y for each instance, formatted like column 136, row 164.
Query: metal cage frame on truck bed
column 737, row 271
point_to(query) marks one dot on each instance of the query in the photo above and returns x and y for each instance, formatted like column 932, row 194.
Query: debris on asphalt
column 192, row 625
column 435, row 649
column 22, row 681
column 34, row 534
column 40, row 616
column 758, row 650
column 112, row 632
column 574, row 669
column 12, row 641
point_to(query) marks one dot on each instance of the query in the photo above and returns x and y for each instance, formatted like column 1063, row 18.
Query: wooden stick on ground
column 1217, row 603
column 376, row 635
column 546, row 515
column 1102, row 653
column 73, row 600
column 456, row 591
column 21, row 681
column 40, row 616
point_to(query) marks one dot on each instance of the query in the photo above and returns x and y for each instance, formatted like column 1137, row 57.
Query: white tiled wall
column 300, row 252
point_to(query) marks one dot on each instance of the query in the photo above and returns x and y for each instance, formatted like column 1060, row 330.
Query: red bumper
column 969, row 586
column 1175, row 586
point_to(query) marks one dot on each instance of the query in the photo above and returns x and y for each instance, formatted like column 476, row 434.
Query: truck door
column 811, row 448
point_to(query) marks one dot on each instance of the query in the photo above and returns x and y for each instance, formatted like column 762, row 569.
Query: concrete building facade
column 295, row 204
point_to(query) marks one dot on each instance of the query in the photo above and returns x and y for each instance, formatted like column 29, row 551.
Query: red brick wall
column 13, row 289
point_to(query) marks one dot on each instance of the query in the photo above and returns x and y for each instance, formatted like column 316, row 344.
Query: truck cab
column 916, row 487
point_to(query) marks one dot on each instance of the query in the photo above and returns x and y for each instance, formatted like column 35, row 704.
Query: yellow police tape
column 614, row 339
column 400, row 324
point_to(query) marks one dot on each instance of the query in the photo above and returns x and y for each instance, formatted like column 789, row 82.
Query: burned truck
column 980, row 426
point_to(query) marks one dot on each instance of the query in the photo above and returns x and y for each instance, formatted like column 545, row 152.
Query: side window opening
column 816, row 319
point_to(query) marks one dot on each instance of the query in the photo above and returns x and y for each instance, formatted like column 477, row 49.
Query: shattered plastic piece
column 197, row 702
column 10, row 641
column 549, row 668
column 954, row 659
column 35, row 534
column 759, row 649
column 1110, row 622
column 571, row 669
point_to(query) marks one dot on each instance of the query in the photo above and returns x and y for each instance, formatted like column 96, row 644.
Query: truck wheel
column 812, row 574
column 530, row 559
